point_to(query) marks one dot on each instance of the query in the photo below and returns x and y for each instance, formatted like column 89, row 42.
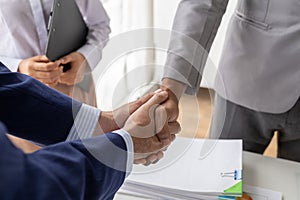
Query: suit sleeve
column 194, row 29
column 65, row 170
column 33, row 111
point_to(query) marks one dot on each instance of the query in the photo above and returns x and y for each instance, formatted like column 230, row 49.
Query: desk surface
column 275, row 174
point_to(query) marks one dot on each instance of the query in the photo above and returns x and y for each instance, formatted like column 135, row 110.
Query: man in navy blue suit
column 91, row 168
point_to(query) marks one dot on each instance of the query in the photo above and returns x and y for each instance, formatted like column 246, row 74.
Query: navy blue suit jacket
column 65, row 170
column 34, row 111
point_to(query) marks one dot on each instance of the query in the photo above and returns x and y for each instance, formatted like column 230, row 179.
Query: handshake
column 150, row 121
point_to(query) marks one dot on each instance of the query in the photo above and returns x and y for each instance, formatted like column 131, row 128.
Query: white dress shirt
column 24, row 30
column 24, row 34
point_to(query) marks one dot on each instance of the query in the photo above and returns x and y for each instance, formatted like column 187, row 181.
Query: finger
column 145, row 98
column 51, row 84
column 73, row 75
column 171, row 106
column 151, row 158
column 140, row 161
column 121, row 114
column 41, row 58
column 48, row 82
column 45, row 67
column 159, row 155
column 67, row 77
column 58, row 63
column 174, row 127
column 164, row 134
column 167, row 142
column 133, row 106
column 156, row 99
column 144, row 116
column 154, row 158
column 172, row 110
column 168, row 132
column 148, row 162
column 146, row 146
column 52, row 75
column 173, row 137
column 161, row 118
column 66, row 59
column 69, row 80
column 165, row 149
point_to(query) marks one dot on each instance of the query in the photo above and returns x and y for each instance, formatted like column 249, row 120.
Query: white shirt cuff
column 84, row 123
column 130, row 151
column 92, row 54
column 11, row 63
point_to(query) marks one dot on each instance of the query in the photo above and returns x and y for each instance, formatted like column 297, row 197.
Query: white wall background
column 129, row 15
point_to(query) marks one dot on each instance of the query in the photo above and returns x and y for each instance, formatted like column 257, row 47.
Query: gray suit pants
column 232, row 121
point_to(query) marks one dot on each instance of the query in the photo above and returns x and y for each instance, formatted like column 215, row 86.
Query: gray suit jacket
column 260, row 64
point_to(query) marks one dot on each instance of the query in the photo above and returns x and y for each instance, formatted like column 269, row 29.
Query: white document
column 183, row 173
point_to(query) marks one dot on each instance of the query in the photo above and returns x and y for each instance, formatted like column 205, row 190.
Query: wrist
column 21, row 67
column 107, row 122
column 173, row 87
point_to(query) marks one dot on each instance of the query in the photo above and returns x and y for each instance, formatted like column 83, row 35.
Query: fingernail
column 166, row 142
column 158, row 91
column 155, row 161
column 164, row 93
column 152, row 159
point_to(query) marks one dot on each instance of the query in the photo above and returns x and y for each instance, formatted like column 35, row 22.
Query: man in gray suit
column 258, row 83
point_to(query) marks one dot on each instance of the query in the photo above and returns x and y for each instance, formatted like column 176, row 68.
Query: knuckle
column 47, row 67
column 30, row 73
column 47, row 75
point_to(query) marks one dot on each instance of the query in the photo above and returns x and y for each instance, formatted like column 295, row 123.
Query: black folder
column 67, row 29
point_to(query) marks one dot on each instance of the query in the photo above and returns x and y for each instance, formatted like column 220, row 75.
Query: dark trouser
column 232, row 121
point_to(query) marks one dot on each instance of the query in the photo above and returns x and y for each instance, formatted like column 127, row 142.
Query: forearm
column 176, row 87
column 65, row 170
column 97, row 22
column 194, row 29
column 106, row 123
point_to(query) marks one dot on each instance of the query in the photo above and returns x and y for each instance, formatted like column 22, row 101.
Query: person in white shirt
column 24, row 39
column 23, row 44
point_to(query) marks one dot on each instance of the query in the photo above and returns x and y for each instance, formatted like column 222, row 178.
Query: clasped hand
column 147, row 122
column 51, row 73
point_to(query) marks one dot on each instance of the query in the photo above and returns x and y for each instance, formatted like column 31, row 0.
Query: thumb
column 156, row 99
column 65, row 59
column 133, row 106
column 41, row 58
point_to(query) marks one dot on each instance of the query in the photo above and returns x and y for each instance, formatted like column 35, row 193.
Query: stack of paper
column 191, row 169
